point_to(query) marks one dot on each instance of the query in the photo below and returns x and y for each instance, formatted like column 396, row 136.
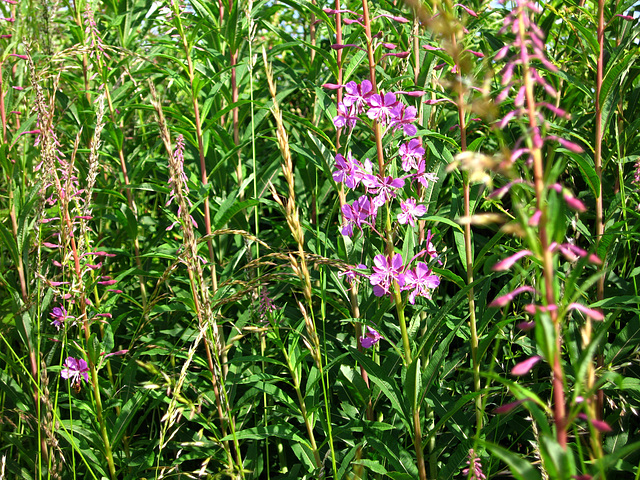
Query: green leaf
column 382, row 379
column 520, row 468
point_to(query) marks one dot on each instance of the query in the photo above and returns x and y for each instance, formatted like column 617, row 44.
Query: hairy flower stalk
column 60, row 174
column 456, row 52
column 199, row 136
column 529, row 45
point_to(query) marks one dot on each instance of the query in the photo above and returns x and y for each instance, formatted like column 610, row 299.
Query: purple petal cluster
column 75, row 369
column 385, row 271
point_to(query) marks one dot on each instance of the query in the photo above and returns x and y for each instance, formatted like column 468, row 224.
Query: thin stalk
column 199, row 136
column 597, row 155
column 397, row 295
column 303, row 408
column 547, row 257
column 466, row 187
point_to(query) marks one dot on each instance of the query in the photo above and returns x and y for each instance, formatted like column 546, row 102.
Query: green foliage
column 200, row 358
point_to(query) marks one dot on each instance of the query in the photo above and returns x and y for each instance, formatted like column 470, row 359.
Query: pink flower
column 59, row 315
column 409, row 211
column 75, row 370
column 421, row 281
column 385, row 272
column 371, row 337
column 346, row 116
column 357, row 95
column 381, row 107
column 411, row 154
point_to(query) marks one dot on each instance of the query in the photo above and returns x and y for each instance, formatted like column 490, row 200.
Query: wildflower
column 421, row 281
column 346, row 169
column 411, row 153
column 59, row 315
column 474, row 472
column 381, row 107
column 422, row 176
column 382, row 188
column 409, row 211
column 403, row 116
column 346, row 116
column 371, row 337
column 385, row 272
column 357, row 214
column 75, row 370
column 266, row 305
column 357, row 95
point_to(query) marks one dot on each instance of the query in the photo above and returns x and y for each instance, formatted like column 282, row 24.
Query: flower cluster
column 360, row 103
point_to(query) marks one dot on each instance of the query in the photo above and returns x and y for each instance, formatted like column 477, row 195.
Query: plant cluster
column 400, row 243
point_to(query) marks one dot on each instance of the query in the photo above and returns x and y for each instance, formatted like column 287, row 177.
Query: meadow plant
column 402, row 243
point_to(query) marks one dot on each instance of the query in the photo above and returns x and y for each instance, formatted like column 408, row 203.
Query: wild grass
column 193, row 285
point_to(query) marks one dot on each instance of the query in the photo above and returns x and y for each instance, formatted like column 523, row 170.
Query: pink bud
column 574, row 203
column 108, row 282
column 535, row 219
column 597, row 424
column 589, row 312
column 508, row 262
column 23, row 57
column 332, row 86
column 507, row 407
column 625, row 17
column 477, row 54
column 505, row 299
column 525, row 367
column 526, row 326
column 466, row 9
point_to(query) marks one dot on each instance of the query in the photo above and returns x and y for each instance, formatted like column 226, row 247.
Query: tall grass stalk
column 299, row 266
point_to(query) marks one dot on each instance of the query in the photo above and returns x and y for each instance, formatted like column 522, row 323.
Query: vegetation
column 287, row 240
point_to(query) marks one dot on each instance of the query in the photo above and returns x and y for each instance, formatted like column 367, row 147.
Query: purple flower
column 371, row 337
column 75, row 370
column 382, row 188
column 411, row 154
column 351, row 273
column 357, row 95
column 409, row 211
column 381, row 107
column 421, row 281
column 385, row 272
column 346, row 116
column 357, row 214
column 423, row 176
column 403, row 116
column 59, row 315
column 346, row 169
column 474, row 472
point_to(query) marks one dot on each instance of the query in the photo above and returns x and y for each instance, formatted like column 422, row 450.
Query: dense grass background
column 235, row 340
